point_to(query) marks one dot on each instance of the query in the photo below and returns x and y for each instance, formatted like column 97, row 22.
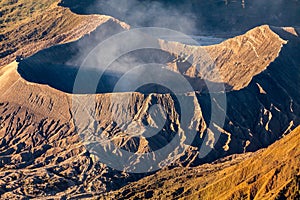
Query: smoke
column 176, row 16
column 137, row 14
column 123, row 54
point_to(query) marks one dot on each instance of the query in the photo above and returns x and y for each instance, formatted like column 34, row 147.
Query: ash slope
column 252, row 66
column 28, row 27
column 271, row 173
column 42, row 155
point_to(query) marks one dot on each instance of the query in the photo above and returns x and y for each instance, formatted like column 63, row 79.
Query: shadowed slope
column 272, row 173
column 42, row 151
column 260, row 107
column 235, row 61
column 30, row 26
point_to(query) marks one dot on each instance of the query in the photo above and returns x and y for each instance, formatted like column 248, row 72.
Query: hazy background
column 195, row 16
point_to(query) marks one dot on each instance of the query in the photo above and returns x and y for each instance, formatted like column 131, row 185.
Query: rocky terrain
column 27, row 27
column 271, row 173
column 45, row 155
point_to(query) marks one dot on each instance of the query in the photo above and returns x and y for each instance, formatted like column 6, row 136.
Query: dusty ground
column 42, row 155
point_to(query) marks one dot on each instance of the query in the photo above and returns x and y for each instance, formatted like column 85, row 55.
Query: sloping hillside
column 255, row 68
column 43, row 155
column 272, row 173
column 29, row 26
column 234, row 62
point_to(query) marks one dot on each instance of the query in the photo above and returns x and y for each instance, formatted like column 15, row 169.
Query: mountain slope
column 29, row 26
column 271, row 173
column 235, row 61
column 256, row 115
column 42, row 151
